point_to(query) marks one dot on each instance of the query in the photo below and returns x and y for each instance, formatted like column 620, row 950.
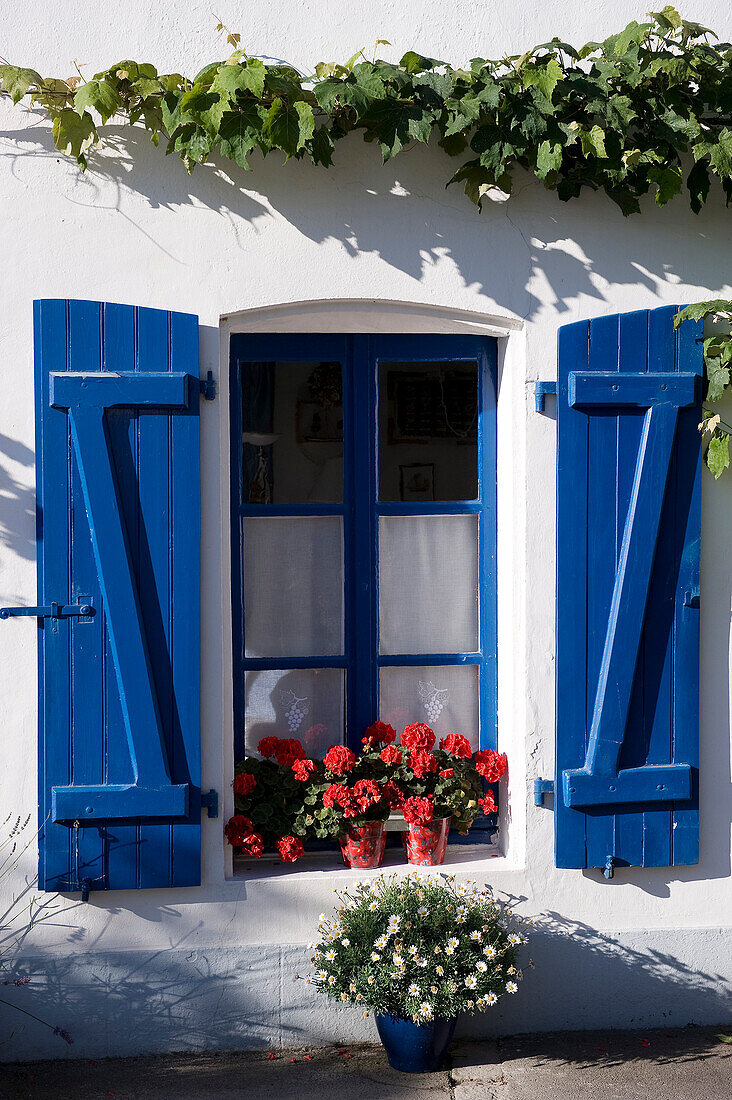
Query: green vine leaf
column 288, row 128
column 17, row 82
column 718, row 454
column 74, row 134
column 98, row 95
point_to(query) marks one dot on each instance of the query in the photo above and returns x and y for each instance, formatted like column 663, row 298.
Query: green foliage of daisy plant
column 418, row 947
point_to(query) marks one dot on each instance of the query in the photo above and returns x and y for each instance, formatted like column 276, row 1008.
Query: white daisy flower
column 322, row 975
column 398, row 960
column 420, row 962
column 439, row 970
column 331, row 980
column 438, row 951
column 423, row 911
column 511, row 987
column 490, row 952
column 425, row 1009
column 511, row 970
column 471, row 981
column 375, row 956
column 344, row 996
column 330, row 955
column 321, row 918
column 449, row 950
column 471, row 1004
column 476, row 936
column 412, row 950
column 414, row 990
column 513, row 938
column 491, row 999
column 346, row 942
column 371, row 979
column 374, row 905
column 352, row 987
column 481, row 966
column 381, row 942
column 453, row 942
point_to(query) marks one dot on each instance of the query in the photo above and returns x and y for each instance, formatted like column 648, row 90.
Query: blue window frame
column 365, row 362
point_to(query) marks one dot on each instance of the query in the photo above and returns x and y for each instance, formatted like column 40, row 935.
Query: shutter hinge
column 542, row 787
column 541, row 389
column 208, row 386
column 211, row 801
column 50, row 611
column 692, row 598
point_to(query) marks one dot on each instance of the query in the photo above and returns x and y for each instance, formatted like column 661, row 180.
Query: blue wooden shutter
column 117, row 443
column 628, row 519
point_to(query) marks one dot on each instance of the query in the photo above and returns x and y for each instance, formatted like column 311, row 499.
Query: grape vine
column 646, row 110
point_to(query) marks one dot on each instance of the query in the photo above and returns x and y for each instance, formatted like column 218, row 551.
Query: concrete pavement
column 681, row 1064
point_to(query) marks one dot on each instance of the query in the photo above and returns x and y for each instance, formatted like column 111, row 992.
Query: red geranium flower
column 288, row 750
column 379, row 732
column 422, row 763
column 390, row 754
column 244, row 784
column 339, row 759
column 447, row 773
column 418, row 811
column 332, row 795
column 267, row 746
column 236, row 828
column 393, row 794
column 303, row 768
column 290, row 849
column 252, row 845
column 418, row 736
column 490, row 764
column 366, row 792
column 238, row 831
column 456, row 744
column 487, row 804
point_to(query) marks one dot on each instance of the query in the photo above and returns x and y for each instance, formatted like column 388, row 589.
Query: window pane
column 428, row 431
column 305, row 703
column 445, row 697
column 428, row 584
column 292, row 433
column 293, row 586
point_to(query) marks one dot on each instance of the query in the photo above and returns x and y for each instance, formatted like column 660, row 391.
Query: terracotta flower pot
column 426, row 844
column 363, row 845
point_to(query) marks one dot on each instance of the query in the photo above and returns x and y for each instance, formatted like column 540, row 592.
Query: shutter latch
column 211, row 801
column 50, row 611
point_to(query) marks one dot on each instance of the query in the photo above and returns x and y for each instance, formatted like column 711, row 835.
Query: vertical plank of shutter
column 153, row 565
column 657, row 644
column 601, row 551
column 54, row 651
column 87, row 697
column 571, row 598
column 632, row 357
column 685, row 829
column 119, row 356
column 185, row 753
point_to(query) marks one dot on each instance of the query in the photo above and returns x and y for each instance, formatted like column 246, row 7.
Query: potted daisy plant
column 418, row 952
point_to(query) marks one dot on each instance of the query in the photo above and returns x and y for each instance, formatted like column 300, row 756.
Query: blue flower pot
column 415, row 1048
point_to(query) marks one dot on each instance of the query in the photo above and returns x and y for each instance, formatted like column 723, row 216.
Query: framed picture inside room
column 417, row 481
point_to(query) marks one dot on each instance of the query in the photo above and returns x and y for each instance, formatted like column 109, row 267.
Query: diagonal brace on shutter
column 600, row 781
column 86, row 397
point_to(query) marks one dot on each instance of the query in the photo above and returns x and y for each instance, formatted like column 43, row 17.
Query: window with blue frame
column 364, row 536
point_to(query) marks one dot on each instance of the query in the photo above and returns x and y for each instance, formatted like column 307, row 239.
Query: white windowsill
column 459, row 859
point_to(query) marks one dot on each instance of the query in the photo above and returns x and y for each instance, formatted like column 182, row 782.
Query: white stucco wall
column 212, row 966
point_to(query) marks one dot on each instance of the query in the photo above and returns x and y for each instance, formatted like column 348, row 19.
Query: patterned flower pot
column 363, row 845
column 426, row 844
column 414, row 1048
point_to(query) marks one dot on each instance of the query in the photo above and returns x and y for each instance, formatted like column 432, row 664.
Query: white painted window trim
column 382, row 316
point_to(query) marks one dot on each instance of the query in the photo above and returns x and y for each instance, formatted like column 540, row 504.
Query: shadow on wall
column 246, row 997
column 17, row 501
column 510, row 253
